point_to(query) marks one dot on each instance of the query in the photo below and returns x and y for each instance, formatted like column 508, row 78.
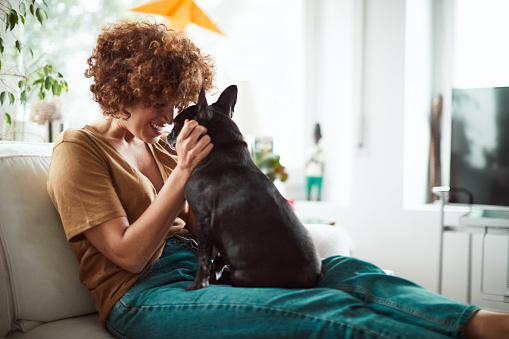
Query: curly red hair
column 141, row 61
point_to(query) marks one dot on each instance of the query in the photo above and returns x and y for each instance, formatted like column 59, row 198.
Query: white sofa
column 40, row 293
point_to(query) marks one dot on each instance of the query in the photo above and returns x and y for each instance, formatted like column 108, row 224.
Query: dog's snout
column 171, row 142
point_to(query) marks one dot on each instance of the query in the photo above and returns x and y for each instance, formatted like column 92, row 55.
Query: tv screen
column 480, row 145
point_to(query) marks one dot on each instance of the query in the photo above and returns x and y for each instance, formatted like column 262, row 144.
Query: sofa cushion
column 84, row 327
column 39, row 271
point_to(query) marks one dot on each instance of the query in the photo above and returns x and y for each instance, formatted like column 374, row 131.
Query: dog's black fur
column 239, row 211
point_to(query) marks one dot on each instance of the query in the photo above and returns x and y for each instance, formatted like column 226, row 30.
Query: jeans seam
column 114, row 332
column 254, row 307
column 189, row 242
column 396, row 306
column 145, row 275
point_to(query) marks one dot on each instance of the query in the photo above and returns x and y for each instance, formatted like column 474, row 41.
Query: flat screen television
column 480, row 145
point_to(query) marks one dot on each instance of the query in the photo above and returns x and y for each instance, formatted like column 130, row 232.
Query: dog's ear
column 228, row 99
column 204, row 111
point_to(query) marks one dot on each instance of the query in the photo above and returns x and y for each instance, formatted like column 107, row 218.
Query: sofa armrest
column 330, row 240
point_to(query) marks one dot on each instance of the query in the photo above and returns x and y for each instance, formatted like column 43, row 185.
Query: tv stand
column 482, row 221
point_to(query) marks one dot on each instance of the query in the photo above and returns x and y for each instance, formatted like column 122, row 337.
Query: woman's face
column 149, row 123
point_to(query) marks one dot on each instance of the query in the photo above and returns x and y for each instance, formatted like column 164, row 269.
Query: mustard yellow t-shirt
column 90, row 183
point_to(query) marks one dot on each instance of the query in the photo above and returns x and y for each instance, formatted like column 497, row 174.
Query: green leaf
column 48, row 82
column 3, row 96
column 22, row 8
column 20, row 84
column 1, row 45
column 32, row 9
column 56, row 89
column 13, row 19
column 12, row 98
column 19, row 46
column 40, row 14
column 41, row 95
column 23, row 96
column 8, row 119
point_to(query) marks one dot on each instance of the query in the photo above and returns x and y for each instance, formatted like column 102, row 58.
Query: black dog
column 239, row 211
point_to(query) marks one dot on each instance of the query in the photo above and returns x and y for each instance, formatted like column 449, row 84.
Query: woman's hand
column 193, row 145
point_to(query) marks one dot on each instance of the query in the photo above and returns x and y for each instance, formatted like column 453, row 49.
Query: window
column 262, row 51
column 481, row 53
column 295, row 60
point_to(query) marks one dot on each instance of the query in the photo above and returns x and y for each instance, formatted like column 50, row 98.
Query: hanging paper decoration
column 180, row 13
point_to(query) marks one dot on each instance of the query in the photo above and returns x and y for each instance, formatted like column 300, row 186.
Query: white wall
column 385, row 232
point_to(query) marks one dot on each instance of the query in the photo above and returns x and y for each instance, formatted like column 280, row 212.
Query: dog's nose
column 169, row 114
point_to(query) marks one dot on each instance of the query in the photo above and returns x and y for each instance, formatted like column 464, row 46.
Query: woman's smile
column 158, row 128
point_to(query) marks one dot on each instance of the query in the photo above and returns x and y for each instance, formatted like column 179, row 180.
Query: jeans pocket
column 190, row 242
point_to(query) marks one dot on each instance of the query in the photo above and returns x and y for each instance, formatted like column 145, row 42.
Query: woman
column 119, row 193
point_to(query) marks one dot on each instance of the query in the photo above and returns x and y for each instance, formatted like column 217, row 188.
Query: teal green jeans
column 355, row 299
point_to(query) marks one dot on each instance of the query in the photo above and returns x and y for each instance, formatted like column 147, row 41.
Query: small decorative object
column 48, row 112
column 434, row 151
column 315, row 165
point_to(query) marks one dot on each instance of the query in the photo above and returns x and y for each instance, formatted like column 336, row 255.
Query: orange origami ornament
column 180, row 13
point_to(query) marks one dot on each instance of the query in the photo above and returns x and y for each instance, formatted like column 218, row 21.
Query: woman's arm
column 131, row 246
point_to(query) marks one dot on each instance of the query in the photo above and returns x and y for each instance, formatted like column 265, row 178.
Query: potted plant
column 17, row 78
column 269, row 164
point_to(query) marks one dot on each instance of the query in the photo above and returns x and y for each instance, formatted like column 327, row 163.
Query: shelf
column 485, row 218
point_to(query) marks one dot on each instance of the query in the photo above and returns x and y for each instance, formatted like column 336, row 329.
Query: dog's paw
column 197, row 285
